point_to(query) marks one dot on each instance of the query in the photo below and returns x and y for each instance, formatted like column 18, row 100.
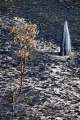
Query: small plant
column 75, row 116
column 75, row 85
column 28, row 99
column 34, row 2
column 77, row 107
column 70, row 99
column 6, row 92
column 22, row 118
column 24, row 36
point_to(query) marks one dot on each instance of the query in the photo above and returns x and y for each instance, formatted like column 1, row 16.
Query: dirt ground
column 51, row 89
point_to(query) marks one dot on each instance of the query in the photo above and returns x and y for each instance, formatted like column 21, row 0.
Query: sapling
column 25, row 37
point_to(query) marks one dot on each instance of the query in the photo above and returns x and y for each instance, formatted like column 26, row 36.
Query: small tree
column 24, row 36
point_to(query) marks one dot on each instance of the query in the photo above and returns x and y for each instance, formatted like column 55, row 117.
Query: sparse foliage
column 24, row 36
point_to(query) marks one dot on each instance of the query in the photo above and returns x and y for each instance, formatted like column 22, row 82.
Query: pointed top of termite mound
column 66, row 22
column 66, row 27
column 66, row 42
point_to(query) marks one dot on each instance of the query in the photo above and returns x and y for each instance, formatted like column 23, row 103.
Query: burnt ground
column 51, row 89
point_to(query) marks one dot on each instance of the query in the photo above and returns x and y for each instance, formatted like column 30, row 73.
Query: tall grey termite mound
column 66, row 42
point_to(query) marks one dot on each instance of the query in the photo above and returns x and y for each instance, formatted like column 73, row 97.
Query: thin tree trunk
column 22, row 69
